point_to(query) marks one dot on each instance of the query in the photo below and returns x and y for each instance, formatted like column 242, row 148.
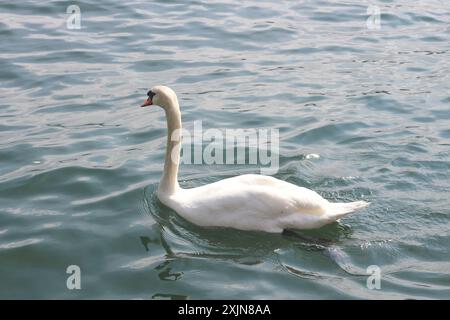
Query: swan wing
column 249, row 202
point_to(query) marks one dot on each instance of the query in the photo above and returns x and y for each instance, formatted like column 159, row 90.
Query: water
column 80, row 162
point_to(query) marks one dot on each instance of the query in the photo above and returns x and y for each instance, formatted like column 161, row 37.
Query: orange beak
column 147, row 102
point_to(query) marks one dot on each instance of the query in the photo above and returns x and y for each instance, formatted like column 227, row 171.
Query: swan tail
column 339, row 210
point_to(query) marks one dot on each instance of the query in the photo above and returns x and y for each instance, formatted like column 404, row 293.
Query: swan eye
column 150, row 94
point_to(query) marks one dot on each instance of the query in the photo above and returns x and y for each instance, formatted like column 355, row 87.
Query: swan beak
column 147, row 102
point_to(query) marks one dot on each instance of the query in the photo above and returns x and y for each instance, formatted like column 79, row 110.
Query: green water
column 80, row 161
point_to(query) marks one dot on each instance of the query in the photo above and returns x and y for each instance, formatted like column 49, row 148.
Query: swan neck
column 169, row 181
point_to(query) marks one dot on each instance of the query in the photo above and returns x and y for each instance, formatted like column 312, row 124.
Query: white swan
column 245, row 202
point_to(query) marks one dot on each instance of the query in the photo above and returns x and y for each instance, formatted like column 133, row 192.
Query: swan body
column 245, row 202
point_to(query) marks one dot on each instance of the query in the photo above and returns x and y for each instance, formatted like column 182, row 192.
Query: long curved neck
column 169, row 181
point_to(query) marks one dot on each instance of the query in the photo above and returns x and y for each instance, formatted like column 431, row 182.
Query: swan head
column 161, row 96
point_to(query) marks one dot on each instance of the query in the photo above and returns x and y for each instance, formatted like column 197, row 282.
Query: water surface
column 80, row 162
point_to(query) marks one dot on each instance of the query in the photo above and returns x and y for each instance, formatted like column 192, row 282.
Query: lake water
column 363, row 111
